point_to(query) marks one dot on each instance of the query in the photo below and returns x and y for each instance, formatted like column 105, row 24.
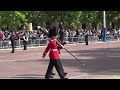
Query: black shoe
column 51, row 77
column 65, row 78
column 65, row 73
column 12, row 52
column 46, row 78
column 52, row 73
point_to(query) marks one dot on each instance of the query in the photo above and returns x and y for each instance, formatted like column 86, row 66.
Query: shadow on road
column 103, row 60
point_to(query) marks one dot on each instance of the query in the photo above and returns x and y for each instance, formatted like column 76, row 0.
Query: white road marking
column 19, row 60
column 73, row 77
column 115, row 70
column 22, row 48
column 5, row 56
column 114, row 76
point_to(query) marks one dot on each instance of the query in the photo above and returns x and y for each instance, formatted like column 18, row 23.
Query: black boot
column 64, row 78
column 52, row 73
column 65, row 73
column 49, row 77
column 12, row 51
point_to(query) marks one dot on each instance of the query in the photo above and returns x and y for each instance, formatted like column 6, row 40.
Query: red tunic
column 54, row 52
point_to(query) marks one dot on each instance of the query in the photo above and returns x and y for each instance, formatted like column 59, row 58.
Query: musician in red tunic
column 53, row 55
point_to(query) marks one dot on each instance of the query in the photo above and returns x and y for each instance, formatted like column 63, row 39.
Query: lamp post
column 62, row 17
column 104, row 27
column 61, row 26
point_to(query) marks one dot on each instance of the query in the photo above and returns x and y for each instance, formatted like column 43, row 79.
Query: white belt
column 53, row 49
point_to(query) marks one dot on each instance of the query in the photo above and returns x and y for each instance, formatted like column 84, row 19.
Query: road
column 102, row 61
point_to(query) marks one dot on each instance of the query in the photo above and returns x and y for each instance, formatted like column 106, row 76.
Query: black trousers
column 25, row 45
column 13, row 45
column 60, row 65
column 86, row 42
column 55, row 63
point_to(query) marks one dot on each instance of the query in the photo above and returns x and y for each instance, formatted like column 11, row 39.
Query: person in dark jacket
column 25, row 40
column 61, row 32
column 86, row 38
column 12, row 39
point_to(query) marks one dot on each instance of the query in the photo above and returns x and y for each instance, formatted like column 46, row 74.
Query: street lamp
column 62, row 21
column 104, row 27
column 62, row 17
column 61, row 26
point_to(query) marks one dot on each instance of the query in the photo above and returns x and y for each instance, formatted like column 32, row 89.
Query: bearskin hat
column 53, row 31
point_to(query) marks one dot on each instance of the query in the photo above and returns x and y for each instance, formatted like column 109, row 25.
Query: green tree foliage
column 16, row 19
column 12, row 19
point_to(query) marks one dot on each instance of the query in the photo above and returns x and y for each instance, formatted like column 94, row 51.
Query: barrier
column 43, row 42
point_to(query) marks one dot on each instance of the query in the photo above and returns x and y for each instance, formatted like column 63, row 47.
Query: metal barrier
column 43, row 42
column 19, row 43
column 71, row 40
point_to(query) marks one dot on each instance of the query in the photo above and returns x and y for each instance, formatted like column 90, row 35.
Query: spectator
column 25, row 40
column 18, row 38
column 1, row 35
column 12, row 38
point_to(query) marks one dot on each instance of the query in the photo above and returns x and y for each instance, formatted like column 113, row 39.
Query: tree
column 12, row 19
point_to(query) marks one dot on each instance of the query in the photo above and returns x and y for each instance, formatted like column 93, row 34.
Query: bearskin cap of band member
column 53, row 31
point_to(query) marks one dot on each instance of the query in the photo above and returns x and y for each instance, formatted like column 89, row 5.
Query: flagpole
column 104, row 27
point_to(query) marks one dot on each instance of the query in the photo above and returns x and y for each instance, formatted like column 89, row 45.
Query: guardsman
column 53, row 55
column 59, row 60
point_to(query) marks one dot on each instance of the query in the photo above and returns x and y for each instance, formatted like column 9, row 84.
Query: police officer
column 53, row 55
column 86, row 38
column 61, row 32
column 25, row 40
column 12, row 39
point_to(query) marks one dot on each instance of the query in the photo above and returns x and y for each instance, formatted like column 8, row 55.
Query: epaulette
column 51, row 40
